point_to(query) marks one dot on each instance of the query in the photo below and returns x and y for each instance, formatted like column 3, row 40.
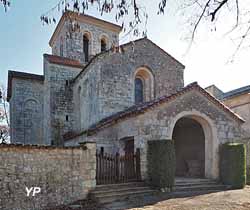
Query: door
column 129, row 146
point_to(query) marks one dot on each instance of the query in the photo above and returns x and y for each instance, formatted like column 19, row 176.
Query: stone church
column 119, row 97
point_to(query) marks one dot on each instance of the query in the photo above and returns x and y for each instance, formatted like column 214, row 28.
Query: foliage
column 233, row 164
column 161, row 163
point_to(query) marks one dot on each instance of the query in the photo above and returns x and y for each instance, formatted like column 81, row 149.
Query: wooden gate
column 117, row 168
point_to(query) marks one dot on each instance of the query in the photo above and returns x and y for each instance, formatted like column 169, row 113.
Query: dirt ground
column 225, row 200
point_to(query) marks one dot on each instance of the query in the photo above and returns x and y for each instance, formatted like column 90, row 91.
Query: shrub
column 161, row 163
column 233, row 164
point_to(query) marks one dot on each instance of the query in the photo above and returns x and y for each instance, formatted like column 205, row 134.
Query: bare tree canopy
column 4, row 116
column 197, row 12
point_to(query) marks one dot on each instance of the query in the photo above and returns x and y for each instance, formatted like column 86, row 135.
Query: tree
column 4, row 116
column 197, row 12
column 6, row 4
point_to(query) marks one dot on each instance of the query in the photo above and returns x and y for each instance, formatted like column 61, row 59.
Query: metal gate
column 117, row 168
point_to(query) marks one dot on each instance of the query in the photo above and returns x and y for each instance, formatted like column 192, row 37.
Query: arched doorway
column 189, row 140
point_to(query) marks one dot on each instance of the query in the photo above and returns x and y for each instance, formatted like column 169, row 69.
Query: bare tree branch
column 199, row 19
column 217, row 9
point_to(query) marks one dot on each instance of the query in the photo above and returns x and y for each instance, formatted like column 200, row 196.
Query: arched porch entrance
column 189, row 140
column 196, row 144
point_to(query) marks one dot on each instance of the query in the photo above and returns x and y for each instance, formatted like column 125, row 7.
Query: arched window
column 144, row 85
column 138, row 90
column 86, row 48
column 103, row 45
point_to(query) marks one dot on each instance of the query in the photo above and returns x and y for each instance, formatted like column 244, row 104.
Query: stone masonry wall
column 107, row 84
column 73, row 47
column 159, row 124
column 64, row 175
column 26, row 109
column 58, row 101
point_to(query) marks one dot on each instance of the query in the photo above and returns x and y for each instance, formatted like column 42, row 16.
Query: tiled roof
column 22, row 75
column 142, row 108
column 63, row 61
column 236, row 92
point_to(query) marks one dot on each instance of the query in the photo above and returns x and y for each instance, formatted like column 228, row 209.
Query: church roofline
column 142, row 108
column 83, row 18
column 122, row 46
column 21, row 75
column 55, row 59
column 236, row 92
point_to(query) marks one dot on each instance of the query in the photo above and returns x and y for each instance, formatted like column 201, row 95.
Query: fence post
column 138, row 164
column 117, row 166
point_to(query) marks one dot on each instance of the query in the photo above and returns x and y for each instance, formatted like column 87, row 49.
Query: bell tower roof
column 83, row 18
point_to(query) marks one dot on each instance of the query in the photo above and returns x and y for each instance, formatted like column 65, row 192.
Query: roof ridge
column 102, row 53
column 56, row 59
column 70, row 13
column 120, row 46
column 141, row 108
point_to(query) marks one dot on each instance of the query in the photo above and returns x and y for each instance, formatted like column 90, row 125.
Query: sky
column 24, row 40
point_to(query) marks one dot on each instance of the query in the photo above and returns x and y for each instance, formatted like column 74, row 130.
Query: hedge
column 161, row 163
column 233, row 164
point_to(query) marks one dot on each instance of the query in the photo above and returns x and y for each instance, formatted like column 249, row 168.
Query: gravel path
column 225, row 200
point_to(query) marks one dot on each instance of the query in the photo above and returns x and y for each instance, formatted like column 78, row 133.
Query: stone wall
column 59, row 115
column 241, row 105
column 73, row 46
column 63, row 174
column 26, row 111
column 107, row 84
column 159, row 122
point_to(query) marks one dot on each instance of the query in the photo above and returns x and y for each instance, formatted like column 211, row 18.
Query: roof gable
column 142, row 108
column 83, row 18
column 121, row 49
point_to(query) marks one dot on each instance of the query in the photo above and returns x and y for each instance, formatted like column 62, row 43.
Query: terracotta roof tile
column 141, row 108
column 63, row 61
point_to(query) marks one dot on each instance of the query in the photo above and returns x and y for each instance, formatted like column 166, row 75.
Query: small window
column 67, row 82
column 138, row 90
column 67, row 118
column 86, row 48
column 103, row 45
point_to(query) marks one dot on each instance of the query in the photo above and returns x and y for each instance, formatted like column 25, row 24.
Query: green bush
column 233, row 164
column 161, row 163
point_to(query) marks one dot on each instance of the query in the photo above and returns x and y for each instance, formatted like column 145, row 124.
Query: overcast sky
column 23, row 41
